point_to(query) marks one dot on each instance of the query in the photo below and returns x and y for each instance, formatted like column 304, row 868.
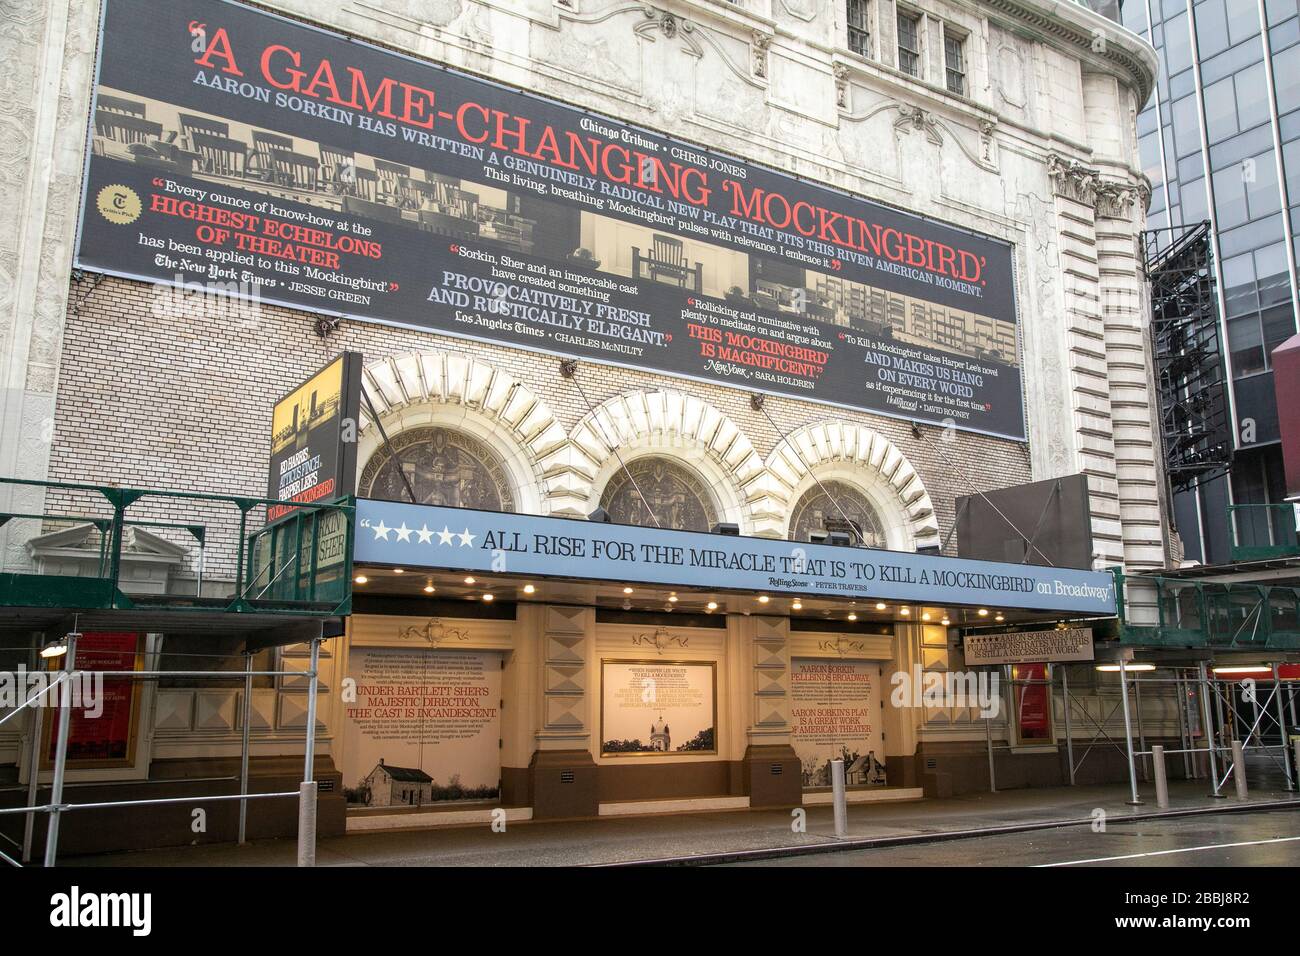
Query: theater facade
column 653, row 347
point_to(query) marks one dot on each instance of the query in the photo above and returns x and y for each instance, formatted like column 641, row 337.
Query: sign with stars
column 459, row 539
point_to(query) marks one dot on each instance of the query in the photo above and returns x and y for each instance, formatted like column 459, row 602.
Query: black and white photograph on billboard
column 654, row 708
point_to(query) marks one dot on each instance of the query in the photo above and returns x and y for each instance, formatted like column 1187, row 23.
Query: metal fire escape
column 1194, row 423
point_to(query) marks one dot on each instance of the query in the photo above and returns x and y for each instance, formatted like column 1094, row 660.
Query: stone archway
column 505, row 424
column 865, row 460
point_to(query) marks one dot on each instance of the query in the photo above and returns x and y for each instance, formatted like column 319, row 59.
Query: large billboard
column 296, row 166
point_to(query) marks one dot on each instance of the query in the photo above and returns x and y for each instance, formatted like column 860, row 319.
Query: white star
column 445, row 535
column 403, row 533
column 466, row 539
column 426, row 536
column 381, row 530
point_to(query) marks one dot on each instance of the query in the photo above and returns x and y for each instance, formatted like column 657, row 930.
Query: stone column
column 562, row 773
column 769, row 769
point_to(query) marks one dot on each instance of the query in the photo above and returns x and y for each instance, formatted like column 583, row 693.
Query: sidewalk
column 670, row 836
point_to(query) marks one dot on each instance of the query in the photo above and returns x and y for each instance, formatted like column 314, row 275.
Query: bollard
column 838, row 799
column 307, row 823
column 1162, row 782
column 1239, row 769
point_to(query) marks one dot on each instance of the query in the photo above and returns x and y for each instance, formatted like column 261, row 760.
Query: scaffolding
column 60, row 689
column 1195, row 426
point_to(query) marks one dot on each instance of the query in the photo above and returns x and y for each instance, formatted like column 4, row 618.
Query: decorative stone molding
column 406, row 388
column 761, row 43
column 914, row 117
column 671, row 26
column 661, row 640
column 841, row 74
column 866, row 458
column 670, row 420
column 1073, row 180
column 1116, row 200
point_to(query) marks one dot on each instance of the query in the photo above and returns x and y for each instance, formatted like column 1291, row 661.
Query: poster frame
column 713, row 683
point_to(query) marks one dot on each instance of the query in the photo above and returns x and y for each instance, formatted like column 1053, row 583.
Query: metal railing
column 59, row 691
column 1263, row 532
column 1158, row 611
column 300, row 563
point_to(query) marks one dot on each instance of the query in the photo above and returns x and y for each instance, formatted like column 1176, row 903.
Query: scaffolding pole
column 1209, row 730
column 1128, row 735
column 247, row 711
column 1069, row 733
column 61, row 752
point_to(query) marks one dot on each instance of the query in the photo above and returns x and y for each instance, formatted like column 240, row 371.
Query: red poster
column 1033, row 702
column 102, row 732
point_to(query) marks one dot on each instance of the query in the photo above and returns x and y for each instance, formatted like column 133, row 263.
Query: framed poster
column 658, row 708
column 1033, row 702
column 424, row 726
column 835, row 711
column 105, row 721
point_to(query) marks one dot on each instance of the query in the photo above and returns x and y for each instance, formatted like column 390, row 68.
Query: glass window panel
column 1196, row 205
column 1279, row 325
column 1229, row 197
column 1253, row 235
column 1276, row 10
column 1239, row 291
column 1244, row 23
column 909, row 44
column 1274, row 274
column 1211, row 28
column 1279, row 38
column 1252, row 96
column 1291, row 163
column 1246, row 344
column 1187, row 128
column 1262, row 195
column 1286, row 76
column 859, row 30
column 1178, row 44
column 1220, row 110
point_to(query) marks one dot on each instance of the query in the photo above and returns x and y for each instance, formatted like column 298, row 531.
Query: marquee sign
column 459, row 539
column 1059, row 645
column 249, row 155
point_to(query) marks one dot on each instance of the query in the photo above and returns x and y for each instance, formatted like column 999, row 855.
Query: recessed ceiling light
column 983, row 612
column 672, row 598
column 627, row 590
column 925, row 615
column 905, row 611
column 797, row 605
column 763, row 599
column 881, row 605
column 712, row 605
column 429, row 589
column 487, row 597
column 469, row 580
column 399, row 570
column 360, row 579
column 529, row 589
column 945, row 622
column 852, row 616
column 999, row 618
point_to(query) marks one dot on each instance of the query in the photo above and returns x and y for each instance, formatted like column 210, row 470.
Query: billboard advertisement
column 284, row 163
column 313, row 442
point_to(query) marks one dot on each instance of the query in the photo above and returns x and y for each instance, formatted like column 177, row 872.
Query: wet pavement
column 1221, row 840
column 701, row 837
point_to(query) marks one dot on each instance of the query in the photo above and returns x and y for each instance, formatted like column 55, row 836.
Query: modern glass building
column 1220, row 141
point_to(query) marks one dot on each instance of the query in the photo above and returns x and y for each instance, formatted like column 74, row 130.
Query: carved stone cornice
column 1073, row 180
column 1081, row 29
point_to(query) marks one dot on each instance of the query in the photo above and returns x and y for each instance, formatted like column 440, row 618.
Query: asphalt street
column 1252, row 839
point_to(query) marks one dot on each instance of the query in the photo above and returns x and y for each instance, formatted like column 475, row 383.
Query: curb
column 771, row 853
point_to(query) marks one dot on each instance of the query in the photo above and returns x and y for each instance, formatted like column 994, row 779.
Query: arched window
column 675, row 494
column 445, row 467
column 815, row 506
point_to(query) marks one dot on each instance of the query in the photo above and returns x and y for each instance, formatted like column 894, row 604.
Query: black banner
column 258, row 157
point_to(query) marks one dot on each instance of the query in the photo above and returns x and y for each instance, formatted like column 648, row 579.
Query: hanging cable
column 569, row 370
column 756, row 402
column 917, row 433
